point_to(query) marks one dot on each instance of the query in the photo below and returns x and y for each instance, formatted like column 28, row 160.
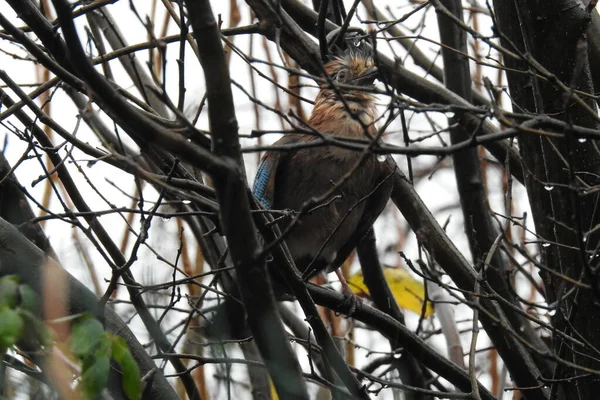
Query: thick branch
column 433, row 237
column 394, row 330
column 381, row 294
column 237, row 224
column 20, row 257
column 480, row 229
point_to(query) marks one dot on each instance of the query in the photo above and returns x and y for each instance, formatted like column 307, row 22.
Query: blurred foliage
column 95, row 347
column 89, row 342
column 19, row 307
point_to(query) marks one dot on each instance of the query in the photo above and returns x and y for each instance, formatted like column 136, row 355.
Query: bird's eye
column 341, row 76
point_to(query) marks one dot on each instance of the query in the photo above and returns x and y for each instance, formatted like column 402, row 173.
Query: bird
column 326, row 233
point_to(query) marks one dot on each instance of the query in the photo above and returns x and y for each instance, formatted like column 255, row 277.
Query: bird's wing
column 375, row 205
column 264, row 183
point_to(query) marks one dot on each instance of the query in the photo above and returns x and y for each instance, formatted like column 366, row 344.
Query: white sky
column 439, row 192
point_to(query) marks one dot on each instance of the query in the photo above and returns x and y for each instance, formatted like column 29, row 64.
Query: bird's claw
column 351, row 301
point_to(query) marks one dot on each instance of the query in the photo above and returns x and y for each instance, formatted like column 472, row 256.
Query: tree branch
column 237, row 224
column 18, row 256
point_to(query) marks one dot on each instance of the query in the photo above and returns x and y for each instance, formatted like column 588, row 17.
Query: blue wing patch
column 261, row 183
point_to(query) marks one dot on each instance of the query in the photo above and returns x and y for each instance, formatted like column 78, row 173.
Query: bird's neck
column 348, row 118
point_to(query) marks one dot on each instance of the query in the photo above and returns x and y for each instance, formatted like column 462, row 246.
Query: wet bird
column 357, row 185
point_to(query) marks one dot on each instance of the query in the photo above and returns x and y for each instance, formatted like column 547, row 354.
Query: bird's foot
column 351, row 301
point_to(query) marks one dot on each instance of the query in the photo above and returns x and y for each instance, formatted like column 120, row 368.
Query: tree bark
column 558, row 171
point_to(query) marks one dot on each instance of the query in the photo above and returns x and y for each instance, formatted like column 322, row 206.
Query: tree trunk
column 558, row 171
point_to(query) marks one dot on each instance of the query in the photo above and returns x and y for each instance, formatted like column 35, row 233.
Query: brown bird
column 326, row 234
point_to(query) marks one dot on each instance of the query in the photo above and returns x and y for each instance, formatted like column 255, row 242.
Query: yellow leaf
column 408, row 291
column 273, row 391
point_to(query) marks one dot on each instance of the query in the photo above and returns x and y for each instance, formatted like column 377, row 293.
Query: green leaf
column 11, row 328
column 86, row 335
column 9, row 295
column 30, row 300
column 95, row 375
column 36, row 331
column 132, row 381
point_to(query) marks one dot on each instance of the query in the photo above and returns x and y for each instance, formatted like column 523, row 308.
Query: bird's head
column 338, row 108
column 354, row 66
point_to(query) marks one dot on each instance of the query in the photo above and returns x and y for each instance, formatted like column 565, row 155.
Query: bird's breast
column 330, row 223
column 351, row 118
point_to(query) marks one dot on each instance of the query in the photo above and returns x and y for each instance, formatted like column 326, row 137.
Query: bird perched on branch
column 338, row 192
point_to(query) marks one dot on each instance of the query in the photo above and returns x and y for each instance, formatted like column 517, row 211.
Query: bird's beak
column 367, row 78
